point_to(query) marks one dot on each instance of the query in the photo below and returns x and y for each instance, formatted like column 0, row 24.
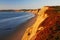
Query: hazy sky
column 23, row 4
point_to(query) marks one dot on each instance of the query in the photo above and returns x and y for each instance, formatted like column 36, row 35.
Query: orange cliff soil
column 46, row 26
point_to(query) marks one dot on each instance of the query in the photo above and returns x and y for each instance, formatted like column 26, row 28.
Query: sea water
column 10, row 20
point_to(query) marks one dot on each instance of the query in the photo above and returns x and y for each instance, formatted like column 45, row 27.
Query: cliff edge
column 46, row 26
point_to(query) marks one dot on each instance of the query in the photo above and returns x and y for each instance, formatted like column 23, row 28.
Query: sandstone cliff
column 46, row 26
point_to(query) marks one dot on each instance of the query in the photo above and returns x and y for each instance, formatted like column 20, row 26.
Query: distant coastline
column 18, row 10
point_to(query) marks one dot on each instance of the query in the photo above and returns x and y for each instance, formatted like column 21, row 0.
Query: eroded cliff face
column 46, row 26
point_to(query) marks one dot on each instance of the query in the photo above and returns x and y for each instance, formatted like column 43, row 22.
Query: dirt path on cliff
column 17, row 35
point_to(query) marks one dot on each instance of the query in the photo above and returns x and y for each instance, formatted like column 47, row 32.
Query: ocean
column 10, row 20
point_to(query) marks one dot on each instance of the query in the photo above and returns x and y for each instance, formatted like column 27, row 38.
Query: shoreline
column 20, row 30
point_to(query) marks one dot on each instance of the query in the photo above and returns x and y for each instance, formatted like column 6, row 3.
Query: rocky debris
column 47, row 25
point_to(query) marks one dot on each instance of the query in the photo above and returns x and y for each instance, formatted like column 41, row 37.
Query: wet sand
column 19, row 32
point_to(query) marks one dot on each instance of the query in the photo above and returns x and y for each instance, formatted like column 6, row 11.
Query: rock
column 46, row 26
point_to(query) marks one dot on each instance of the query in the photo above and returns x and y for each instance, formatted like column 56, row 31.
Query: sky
column 26, row 4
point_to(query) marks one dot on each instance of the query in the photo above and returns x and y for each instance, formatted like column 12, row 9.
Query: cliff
column 46, row 26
